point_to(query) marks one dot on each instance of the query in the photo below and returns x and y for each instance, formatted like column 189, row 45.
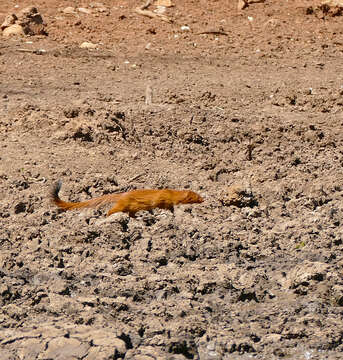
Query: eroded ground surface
column 251, row 119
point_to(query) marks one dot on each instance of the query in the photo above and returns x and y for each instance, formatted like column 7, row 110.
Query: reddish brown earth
column 250, row 119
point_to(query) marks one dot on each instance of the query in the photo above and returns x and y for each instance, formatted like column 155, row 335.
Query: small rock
column 242, row 4
column 31, row 21
column 30, row 348
column 333, row 3
column 87, row 301
column 329, row 7
column 160, row 10
column 238, row 195
column 97, row 352
column 304, row 273
column 84, row 10
column 88, row 45
column 28, row 22
column 60, row 287
column 338, row 294
column 71, row 112
column 30, row 12
column 105, row 338
column 166, row 3
column 9, row 20
column 98, row 6
column 185, row 28
column 64, row 348
column 271, row 338
column 4, row 290
column 20, row 207
column 95, row 4
column 6, row 354
column 13, row 30
column 145, row 353
column 69, row 10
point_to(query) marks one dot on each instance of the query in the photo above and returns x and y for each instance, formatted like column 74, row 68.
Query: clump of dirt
column 28, row 21
column 240, row 196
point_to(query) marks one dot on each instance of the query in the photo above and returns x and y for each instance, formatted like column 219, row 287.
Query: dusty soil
column 250, row 118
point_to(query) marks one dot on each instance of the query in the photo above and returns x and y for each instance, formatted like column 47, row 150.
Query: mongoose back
column 132, row 201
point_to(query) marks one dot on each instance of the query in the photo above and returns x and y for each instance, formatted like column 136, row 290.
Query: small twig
column 148, row 95
column 142, row 11
column 146, row 5
column 242, row 4
column 152, row 15
column 135, row 177
column 255, row 1
column 214, row 32
column 34, row 180
column 37, row 51
column 249, row 150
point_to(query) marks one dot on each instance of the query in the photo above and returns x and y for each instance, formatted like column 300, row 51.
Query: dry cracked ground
column 246, row 109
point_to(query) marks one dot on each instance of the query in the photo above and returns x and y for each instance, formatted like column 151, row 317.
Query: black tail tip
column 56, row 189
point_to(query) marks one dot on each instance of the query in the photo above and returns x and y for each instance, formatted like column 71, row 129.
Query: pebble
column 88, row 45
column 185, row 28
column 9, row 20
column 104, row 338
column 13, row 30
column 241, row 4
column 98, row 6
column 166, row 3
column 69, row 10
column 65, row 348
column 160, row 10
column 84, row 10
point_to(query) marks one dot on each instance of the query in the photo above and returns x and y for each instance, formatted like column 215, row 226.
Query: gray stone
column 30, row 349
column 63, row 348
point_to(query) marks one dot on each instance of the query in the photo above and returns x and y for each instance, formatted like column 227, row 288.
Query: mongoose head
column 192, row 198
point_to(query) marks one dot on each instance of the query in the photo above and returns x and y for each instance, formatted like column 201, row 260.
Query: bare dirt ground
column 249, row 116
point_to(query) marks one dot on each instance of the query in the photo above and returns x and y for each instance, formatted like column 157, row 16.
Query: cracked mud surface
column 252, row 120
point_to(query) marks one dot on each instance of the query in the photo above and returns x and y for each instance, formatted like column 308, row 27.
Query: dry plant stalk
column 148, row 95
column 213, row 32
column 242, row 4
column 249, row 150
